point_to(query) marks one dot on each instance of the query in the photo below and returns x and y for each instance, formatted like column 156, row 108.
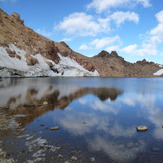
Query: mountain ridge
column 26, row 53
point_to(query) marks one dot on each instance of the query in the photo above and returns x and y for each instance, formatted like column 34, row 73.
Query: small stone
column 54, row 128
column 45, row 103
column 41, row 124
column 141, row 128
column 155, row 149
column 60, row 156
column 85, row 123
column 73, row 158
column 66, row 162
column 92, row 159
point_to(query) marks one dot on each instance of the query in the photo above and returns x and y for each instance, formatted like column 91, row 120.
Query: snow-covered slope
column 18, row 65
column 159, row 72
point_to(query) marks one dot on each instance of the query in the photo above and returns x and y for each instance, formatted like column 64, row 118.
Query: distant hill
column 25, row 53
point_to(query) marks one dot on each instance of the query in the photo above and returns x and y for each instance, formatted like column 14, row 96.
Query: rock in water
column 54, row 128
column 73, row 158
column 141, row 128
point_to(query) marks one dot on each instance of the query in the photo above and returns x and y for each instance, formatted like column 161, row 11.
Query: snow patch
column 159, row 72
column 10, row 66
column 69, row 67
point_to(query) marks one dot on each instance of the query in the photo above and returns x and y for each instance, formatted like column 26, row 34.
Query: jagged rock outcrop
column 112, row 65
column 24, row 52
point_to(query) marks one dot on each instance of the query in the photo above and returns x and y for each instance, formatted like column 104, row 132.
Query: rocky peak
column 105, row 54
column 144, row 62
column 64, row 44
column 114, row 53
column 17, row 18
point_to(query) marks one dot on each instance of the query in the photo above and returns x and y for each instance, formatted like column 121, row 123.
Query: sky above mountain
column 134, row 28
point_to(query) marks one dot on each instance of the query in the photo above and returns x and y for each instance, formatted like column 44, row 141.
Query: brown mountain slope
column 115, row 66
column 13, row 31
column 20, row 45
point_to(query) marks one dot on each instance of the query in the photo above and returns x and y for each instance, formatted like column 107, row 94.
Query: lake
column 85, row 119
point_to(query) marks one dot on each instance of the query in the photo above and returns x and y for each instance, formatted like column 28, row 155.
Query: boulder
column 141, row 128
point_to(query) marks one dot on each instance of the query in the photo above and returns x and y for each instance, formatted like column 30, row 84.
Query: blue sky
column 134, row 28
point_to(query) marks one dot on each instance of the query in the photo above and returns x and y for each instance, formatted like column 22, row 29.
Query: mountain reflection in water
column 27, row 97
column 96, row 115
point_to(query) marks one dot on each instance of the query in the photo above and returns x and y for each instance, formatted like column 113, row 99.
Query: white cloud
column 100, row 43
column 145, row 3
column 80, row 24
column 83, row 47
column 8, row 0
column 103, row 5
column 120, row 17
column 129, row 49
column 112, row 48
column 128, row 101
column 43, row 32
column 152, row 40
column 98, row 105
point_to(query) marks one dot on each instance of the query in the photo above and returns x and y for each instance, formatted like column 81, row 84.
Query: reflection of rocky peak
column 25, row 97
column 105, row 93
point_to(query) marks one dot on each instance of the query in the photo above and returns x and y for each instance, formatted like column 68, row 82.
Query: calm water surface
column 97, row 119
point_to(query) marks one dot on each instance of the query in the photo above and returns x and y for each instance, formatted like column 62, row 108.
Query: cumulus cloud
column 145, row 3
column 152, row 40
column 112, row 48
column 80, row 24
column 120, row 17
column 8, row 0
column 100, row 43
column 103, row 5
column 103, row 43
column 128, row 101
column 83, row 47
column 129, row 49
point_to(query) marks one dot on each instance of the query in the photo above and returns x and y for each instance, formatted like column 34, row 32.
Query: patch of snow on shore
column 69, row 67
column 159, row 72
column 12, row 65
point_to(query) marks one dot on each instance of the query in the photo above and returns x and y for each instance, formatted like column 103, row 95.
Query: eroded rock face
column 16, row 16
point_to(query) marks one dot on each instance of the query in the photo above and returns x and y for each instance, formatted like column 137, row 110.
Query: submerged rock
column 155, row 149
column 141, row 128
column 45, row 103
column 54, row 128
column 73, row 158
column 92, row 159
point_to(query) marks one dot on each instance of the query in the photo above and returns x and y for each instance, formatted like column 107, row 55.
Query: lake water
column 97, row 119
